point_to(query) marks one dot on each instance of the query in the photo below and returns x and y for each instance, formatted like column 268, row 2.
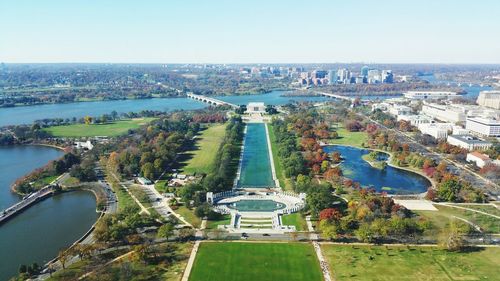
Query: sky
column 250, row 31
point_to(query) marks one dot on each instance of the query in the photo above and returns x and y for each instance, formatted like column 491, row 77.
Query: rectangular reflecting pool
column 255, row 163
column 256, row 205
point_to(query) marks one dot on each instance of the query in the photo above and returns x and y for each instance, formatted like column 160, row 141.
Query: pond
column 391, row 180
column 256, row 205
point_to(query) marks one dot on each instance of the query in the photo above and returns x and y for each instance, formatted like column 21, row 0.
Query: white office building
column 478, row 158
column 483, row 126
column 397, row 110
column 468, row 142
column 446, row 113
column 436, row 130
column 423, row 95
column 489, row 99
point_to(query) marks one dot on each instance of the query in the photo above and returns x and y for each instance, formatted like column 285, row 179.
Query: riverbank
column 414, row 171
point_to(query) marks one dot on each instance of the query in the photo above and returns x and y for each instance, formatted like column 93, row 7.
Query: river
column 391, row 180
column 472, row 90
column 37, row 234
column 29, row 114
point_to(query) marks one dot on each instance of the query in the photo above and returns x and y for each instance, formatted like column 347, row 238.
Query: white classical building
column 256, row 107
column 489, row 99
column 429, row 94
column 415, row 120
column 483, row 126
column 84, row 145
column 468, row 142
column 446, row 113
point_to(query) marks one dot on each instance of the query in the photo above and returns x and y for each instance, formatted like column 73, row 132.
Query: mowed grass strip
column 349, row 138
column 238, row 261
column 109, row 129
column 375, row 263
column 202, row 158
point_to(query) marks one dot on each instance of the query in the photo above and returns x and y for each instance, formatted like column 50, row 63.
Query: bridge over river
column 210, row 100
column 29, row 200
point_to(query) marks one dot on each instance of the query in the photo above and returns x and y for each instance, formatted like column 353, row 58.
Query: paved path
column 189, row 266
column 164, row 203
column 325, row 268
column 467, row 209
column 143, row 209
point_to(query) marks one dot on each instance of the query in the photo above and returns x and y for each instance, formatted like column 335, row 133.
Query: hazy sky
column 204, row 31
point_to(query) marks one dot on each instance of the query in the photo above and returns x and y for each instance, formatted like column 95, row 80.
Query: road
column 455, row 167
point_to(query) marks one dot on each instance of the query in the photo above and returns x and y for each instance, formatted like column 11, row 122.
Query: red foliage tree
column 331, row 214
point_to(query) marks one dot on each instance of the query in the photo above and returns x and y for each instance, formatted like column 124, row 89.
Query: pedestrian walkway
column 325, row 268
column 189, row 266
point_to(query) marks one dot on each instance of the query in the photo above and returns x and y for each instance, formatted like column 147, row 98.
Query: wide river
column 391, row 180
column 37, row 234
column 28, row 114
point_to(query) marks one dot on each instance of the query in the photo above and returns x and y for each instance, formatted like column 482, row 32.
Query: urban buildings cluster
column 345, row 76
column 467, row 126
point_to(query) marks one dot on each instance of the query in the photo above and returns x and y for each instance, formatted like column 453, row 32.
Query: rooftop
column 467, row 139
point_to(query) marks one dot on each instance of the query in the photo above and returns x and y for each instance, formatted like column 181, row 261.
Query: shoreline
column 433, row 184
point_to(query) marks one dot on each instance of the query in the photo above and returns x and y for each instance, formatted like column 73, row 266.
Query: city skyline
column 452, row 32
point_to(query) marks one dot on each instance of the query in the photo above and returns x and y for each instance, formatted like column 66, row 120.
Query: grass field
column 109, row 129
column 295, row 219
column 349, row 138
column 256, row 261
column 413, row 263
column 41, row 182
column 439, row 219
column 224, row 220
column 201, row 159
column 483, row 208
column 189, row 215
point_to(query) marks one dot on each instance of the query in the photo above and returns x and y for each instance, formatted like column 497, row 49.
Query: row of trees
column 222, row 176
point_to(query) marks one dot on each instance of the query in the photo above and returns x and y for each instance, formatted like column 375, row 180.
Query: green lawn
column 238, row 261
column 109, row 129
column 161, row 186
column 349, row 138
column 224, row 220
column 413, row 263
column 284, row 182
column 483, row 208
column 439, row 219
column 41, row 182
column 201, row 159
column 295, row 219
column 188, row 215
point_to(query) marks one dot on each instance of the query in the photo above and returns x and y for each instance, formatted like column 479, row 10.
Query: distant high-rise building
column 344, row 75
column 332, row 76
column 387, row 76
column 319, row 74
column 373, row 76
column 364, row 71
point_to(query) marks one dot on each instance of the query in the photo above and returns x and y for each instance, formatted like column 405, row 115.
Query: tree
column 329, row 230
column 63, row 257
column 148, row 170
column 330, row 214
column 186, row 234
column 88, row 120
column 319, row 197
column 165, row 231
column 453, row 235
